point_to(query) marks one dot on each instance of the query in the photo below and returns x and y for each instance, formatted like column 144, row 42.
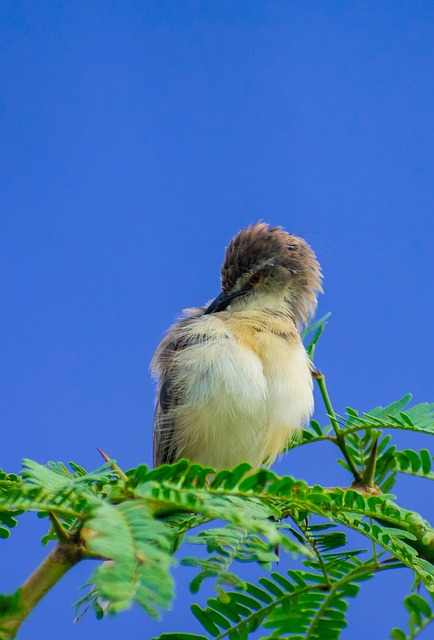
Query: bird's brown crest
column 259, row 246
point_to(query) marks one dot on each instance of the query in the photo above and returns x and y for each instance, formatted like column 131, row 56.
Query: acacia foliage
column 138, row 520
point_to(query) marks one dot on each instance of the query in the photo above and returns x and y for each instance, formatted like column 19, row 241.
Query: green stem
column 311, row 539
column 369, row 473
column 59, row 530
column 320, row 378
column 374, row 546
column 339, row 437
column 58, row 562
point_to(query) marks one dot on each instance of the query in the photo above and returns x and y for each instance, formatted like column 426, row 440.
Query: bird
column 233, row 378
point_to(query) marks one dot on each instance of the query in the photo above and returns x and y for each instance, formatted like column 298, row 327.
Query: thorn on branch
column 113, row 464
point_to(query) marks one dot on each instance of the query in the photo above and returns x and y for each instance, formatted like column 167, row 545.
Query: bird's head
column 265, row 267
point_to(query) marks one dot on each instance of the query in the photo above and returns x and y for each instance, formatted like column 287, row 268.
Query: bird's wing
column 164, row 422
column 165, row 443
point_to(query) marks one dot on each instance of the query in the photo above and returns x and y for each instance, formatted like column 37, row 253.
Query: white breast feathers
column 236, row 388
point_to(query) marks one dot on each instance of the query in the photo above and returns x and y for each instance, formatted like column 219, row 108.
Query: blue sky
column 137, row 138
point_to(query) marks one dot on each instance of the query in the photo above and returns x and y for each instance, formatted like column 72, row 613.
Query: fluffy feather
column 235, row 385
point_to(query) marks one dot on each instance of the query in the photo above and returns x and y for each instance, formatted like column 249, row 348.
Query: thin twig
column 114, row 466
column 59, row 530
column 339, row 434
column 369, row 472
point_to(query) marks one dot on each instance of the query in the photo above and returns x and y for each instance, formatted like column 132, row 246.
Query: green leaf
column 415, row 602
column 419, row 418
column 138, row 548
column 311, row 328
column 294, row 606
column 206, row 617
column 316, row 427
column 421, row 615
column 426, row 459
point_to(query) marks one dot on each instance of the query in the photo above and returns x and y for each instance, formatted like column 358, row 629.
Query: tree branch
column 58, row 562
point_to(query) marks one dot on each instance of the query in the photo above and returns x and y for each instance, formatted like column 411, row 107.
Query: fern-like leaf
column 224, row 546
column 10, row 484
column 421, row 615
column 419, row 418
column 139, row 550
column 299, row 605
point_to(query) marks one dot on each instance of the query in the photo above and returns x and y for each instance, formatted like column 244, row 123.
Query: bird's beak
column 222, row 302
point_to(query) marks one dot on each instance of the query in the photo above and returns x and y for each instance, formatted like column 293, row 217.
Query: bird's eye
column 255, row 278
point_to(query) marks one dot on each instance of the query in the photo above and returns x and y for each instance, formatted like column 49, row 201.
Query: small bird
column 234, row 381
